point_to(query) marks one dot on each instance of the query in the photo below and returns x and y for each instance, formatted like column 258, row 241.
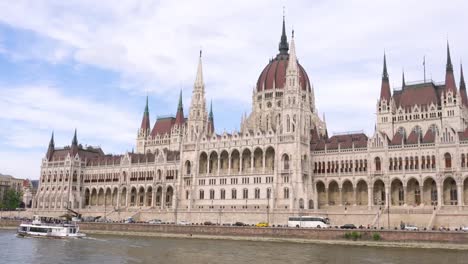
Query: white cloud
column 34, row 111
column 154, row 45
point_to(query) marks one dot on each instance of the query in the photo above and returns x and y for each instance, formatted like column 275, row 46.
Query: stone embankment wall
column 271, row 232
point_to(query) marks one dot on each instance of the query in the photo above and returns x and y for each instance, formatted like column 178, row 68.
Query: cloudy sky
column 88, row 64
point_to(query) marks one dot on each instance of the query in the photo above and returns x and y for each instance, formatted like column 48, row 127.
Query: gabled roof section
column 429, row 137
column 163, row 126
column 422, row 94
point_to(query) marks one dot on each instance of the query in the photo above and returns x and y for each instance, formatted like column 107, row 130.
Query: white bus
column 308, row 221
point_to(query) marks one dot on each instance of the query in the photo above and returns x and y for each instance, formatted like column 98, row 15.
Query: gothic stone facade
column 281, row 159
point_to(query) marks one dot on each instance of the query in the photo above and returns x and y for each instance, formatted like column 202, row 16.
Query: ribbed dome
column 274, row 75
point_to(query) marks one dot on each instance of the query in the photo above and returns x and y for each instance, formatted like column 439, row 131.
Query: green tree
column 12, row 199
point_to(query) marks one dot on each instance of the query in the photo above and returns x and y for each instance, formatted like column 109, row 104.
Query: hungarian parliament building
column 281, row 159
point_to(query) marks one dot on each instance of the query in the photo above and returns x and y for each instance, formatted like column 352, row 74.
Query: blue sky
column 89, row 64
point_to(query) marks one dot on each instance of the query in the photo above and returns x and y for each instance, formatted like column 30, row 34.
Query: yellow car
column 262, row 224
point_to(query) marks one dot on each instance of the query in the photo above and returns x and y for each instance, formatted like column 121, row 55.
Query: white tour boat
column 39, row 228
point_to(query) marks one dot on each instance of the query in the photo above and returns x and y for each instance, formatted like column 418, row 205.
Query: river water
column 120, row 249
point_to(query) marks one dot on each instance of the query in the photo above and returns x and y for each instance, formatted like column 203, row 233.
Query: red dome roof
column 275, row 72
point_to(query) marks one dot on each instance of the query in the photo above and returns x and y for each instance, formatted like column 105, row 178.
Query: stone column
column 316, row 204
column 153, row 197
column 263, row 162
column 354, row 196
column 229, row 164
column 405, row 195
column 421, row 194
column 387, row 196
column 326, row 196
column 127, row 196
column 241, row 163
column 219, row 163
column 370, row 197
column 252, row 163
column 340, row 190
column 459, row 196
column 440, row 195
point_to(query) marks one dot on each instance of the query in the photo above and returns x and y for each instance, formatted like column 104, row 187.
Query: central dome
column 273, row 75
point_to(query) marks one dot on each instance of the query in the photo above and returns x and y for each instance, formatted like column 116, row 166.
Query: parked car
column 183, row 222
column 262, row 224
column 129, row 220
column 464, row 228
column 155, row 222
column 208, row 223
column 411, row 228
column 239, row 224
column 348, row 226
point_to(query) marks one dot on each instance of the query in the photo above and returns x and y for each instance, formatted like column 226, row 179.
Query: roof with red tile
column 358, row 140
column 429, row 137
column 422, row 94
column 163, row 126
column 274, row 75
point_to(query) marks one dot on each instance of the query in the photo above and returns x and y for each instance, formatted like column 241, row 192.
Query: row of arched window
column 340, row 166
column 245, row 194
column 411, row 163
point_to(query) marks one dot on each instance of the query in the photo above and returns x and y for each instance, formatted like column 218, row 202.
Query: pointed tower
column 51, row 148
column 449, row 77
column 197, row 119
column 145, row 122
column 385, row 87
column 283, row 45
column 74, row 145
column 211, row 120
column 463, row 94
column 403, row 83
column 292, row 70
column 180, row 112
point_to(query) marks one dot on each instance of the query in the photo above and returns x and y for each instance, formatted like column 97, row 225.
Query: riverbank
column 368, row 238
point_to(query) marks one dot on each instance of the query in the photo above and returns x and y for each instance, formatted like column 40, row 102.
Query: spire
column 385, row 87
column 75, row 140
column 74, row 146
column 449, row 77
column 180, row 111
column 449, row 66
column 463, row 94
column 210, row 120
column 283, row 45
column 145, row 122
column 403, row 83
column 292, row 63
column 384, row 73
column 210, row 116
column 180, row 106
column 146, row 107
column 51, row 148
column 51, row 142
column 199, row 78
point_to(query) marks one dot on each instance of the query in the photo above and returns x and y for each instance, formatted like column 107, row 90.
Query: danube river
column 119, row 249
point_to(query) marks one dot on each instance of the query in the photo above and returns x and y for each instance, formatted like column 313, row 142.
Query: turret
column 197, row 119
